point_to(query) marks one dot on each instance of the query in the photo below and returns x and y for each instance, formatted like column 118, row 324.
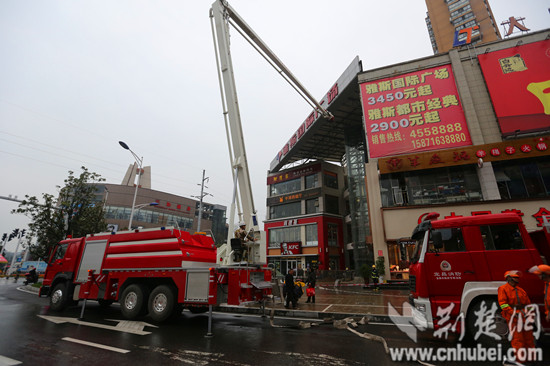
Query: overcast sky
column 78, row 76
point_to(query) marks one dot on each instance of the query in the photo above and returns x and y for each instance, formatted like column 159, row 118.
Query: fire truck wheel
column 58, row 299
column 162, row 303
column 132, row 302
column 198, row 309
column 499, row 326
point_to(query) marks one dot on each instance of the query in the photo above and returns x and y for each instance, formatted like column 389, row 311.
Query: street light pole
column 139, row 161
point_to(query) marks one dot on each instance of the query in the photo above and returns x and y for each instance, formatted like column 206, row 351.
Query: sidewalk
column 337, row 302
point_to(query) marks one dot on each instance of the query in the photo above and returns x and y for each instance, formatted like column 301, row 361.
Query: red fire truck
column 460, row 262
column 154, row 271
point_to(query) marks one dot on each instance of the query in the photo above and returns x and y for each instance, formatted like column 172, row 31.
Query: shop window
column 502, row 237
column 332, row 235
column 523, row 178
column 311, row 235
column 282, row 235
column 312, row 206
column 331, row 180
column 312, row 181
column 289, row 186
column 286, row 210
column 430, row 186
column 331, row 205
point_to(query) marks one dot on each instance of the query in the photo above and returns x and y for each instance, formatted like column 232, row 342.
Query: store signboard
column 418, row 111
column 518, row 80
column 291, row 248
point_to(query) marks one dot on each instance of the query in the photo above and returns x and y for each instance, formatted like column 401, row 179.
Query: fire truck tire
column 162, row 303
column 59, row 297
column 133, row 301
column 500, row 324
column 198, row 309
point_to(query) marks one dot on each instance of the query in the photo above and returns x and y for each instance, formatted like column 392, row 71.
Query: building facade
column 460, row 133
column 156, row 209
column 306, row 217
column 452, row 23
column 466, row 133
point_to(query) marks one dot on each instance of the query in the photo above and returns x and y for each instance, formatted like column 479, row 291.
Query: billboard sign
column 466, row 36
column 418, row 111
column 291, row 248
column 518, row 80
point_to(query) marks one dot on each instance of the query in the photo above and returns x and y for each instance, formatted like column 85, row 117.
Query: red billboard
column 418, row 111
column 291, row 248
column 518, row 80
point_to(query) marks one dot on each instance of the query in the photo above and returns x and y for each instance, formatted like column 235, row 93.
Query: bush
column 366, row 272
column 380, row 266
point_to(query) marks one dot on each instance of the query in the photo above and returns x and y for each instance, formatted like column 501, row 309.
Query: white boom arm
column 222, row 15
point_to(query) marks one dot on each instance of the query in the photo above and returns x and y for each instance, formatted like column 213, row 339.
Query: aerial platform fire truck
column 459, row 264
column 161, row 271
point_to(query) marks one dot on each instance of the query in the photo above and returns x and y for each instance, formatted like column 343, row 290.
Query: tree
column 74, row 212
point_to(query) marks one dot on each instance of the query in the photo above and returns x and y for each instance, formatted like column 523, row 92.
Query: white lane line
column 8, row 361
column 97, row 345
column 328, row 307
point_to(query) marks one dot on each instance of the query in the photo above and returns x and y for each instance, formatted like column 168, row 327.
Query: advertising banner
column 291, row 248
column 518, row 79
column 418, row 111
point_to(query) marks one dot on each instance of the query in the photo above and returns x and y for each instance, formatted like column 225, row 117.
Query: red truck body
column 469, row 266
column 154, row 270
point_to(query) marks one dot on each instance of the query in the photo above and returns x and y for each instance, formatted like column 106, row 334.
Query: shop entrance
column 286, row 265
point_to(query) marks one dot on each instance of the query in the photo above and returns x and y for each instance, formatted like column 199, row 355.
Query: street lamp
column 139, row 161
column 139, row 207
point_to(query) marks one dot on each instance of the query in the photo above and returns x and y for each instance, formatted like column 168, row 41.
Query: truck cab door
column 449, row 267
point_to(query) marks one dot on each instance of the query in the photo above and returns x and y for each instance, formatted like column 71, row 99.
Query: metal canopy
column 325, row 139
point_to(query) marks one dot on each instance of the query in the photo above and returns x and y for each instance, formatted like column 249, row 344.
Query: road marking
column 97, row 345
column 8, row 361
column 122, row 326
column 328, row 307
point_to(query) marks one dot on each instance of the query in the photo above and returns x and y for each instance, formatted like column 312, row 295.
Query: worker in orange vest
column 543, row 271
column 512, row 300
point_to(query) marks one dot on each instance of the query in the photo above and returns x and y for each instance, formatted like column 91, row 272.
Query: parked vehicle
column 460, row 262
column 154, row 271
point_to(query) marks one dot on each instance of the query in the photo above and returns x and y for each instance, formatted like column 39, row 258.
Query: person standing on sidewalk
column 512, row 300
column 290, row 290
column 310, row 282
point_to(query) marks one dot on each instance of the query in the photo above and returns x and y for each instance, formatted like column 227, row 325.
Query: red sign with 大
column 419, row 111
column 518, row 79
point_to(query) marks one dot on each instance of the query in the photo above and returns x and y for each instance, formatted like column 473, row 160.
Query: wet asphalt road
column 30, row 335
column 238, row 339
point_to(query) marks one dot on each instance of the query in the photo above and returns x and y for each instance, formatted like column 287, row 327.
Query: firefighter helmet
column 513, row 273
column 540, row 269
column 241, row 223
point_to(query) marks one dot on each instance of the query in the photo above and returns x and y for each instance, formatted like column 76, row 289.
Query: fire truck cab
column 460, row 262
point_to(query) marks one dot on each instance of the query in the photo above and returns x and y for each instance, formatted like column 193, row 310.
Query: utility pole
column 203, row 194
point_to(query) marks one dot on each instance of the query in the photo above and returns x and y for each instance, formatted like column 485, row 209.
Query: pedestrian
column 300, row 272
column 290, row 290
column 310, row 282
column 543, row 271
column 513, row 300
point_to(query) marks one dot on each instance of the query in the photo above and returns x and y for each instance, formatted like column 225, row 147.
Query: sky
column 76, row 77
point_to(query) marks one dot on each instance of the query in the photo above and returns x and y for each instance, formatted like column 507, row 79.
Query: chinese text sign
column 418, row 111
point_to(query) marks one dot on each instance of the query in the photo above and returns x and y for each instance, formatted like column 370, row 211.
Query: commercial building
column 155, row 208
column 460, row 133
column 306, row 217
column 454, row 22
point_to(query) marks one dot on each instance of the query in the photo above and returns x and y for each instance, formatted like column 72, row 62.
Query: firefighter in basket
column 245, row 238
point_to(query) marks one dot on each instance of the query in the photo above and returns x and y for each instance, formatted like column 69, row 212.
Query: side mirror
column 437, row 239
